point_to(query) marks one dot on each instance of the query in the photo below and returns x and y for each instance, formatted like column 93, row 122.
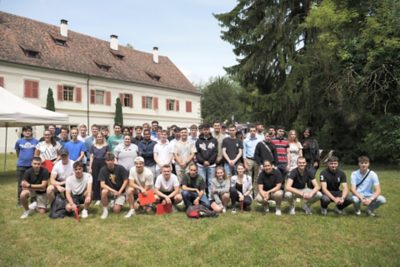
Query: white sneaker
column 306, row 209
column 97, row 203
column 324, row 212
column 338, row 211
column 112, row 203
column 298, row 200
column 292, row 210
column 266, row 209
column 33, row 205
column 130, row 213
column 105, row 214
column 358, row 212
column 84, row 213
column 371, row 213
column 234, row 210
column 278, row 212
column 223, row 210
column 181, row 204
column 25, row 214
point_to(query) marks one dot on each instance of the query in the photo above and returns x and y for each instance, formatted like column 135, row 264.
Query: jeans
column 380, row 200
column 189, row 197
column 207, row 173
column 20, row 174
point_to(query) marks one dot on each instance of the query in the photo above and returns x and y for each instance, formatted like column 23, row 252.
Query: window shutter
column 92, row 96
column 27, row 89
column 121, row 98
column 177, row 105
column 167, row 104
column 188, row 106
column 78, row 92
column 35, row 89
column 143, row 102
column 108, row 98
column 131, row 100
column 2, row 81
column 60, row 92
column 155, row 103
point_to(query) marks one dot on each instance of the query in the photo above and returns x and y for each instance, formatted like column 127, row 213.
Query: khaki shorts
column 41, row 199
column 119, row 200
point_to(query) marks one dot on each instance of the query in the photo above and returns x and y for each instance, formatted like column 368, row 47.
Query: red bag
column 48, row 164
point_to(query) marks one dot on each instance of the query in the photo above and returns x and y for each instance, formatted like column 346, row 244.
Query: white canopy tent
column 16, row 112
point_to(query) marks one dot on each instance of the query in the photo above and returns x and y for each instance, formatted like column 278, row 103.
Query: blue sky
column 183, row 30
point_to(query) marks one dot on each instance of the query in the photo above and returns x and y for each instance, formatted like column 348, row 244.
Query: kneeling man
column 78, row 190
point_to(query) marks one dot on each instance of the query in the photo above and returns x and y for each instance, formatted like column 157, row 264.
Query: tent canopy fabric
column 15, row 111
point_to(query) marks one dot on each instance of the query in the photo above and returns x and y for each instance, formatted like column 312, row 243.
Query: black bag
column 200, row 211
column 57, row 209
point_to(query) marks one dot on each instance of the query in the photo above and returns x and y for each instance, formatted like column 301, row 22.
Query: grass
column 244, row 239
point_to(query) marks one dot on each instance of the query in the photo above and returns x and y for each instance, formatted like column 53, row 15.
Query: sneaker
column 324, row 211
column 234, row 210
column 104, row 215
column 266, row 209
column 84, row 213
column 371, row 213
column 298, row 200
column 223, row 210
column 112, row 203
column 33, row 205
column 25, row 214
column 292, row 210
column 306, row 209
column 97, row 203
column 181, row 204
column 278, row 212
column 358, row 212
column 338, row 211
column 130, row 213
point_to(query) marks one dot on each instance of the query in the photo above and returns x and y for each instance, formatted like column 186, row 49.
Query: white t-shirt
column 166, row 186
column 294, row 149
column 78, row 186
column 142, row 179
column 63, row 171
column 163, row 152
column 184, row 149
column 126, row 155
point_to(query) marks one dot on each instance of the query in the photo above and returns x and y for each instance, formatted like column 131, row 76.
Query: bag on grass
column 200, row 211
column 57, row 209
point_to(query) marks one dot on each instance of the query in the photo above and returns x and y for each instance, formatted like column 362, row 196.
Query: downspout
column 88, row 103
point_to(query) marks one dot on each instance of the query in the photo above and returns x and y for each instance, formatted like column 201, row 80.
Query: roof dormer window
column 30, row 52
column 103, row 66
column 153, row 76
column 117, row 54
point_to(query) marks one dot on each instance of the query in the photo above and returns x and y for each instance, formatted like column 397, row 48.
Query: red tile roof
column 84, row 54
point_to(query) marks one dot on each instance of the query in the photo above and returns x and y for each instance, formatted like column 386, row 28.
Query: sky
column 183, row 30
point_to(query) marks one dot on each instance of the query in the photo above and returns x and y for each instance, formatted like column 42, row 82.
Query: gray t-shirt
column 78, row 186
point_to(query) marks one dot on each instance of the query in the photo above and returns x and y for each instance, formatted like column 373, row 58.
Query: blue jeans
column 207, row 173
column 189, row 197
column 380, row 200
column 230, row 170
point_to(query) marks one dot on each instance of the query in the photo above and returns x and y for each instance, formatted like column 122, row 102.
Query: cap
column 139, row 159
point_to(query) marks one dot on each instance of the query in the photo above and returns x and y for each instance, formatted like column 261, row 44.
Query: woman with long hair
column 295, row 149
column 220, row 186
column 241, row 189
column 97, row 160
column 310, row 150
column 48, row 150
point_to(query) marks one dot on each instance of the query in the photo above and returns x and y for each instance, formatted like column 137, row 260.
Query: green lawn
column 244, row 239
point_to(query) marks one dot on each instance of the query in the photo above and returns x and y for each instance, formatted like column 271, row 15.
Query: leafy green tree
column 118, row 118
column 50, row 100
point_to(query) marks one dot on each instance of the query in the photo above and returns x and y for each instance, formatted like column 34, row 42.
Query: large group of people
column 219, row 168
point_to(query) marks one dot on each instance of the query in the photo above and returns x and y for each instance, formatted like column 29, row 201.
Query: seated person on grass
column 363, row 182
column 34, row 183
column 241, row 189
column 220, row 186
column 78, row 190
column 113, row 181
column 193, row 188
column 167, row 187
column 269, row 184
column 141, row 180
column 301, row 183
column 61, row 170
column 331, row 179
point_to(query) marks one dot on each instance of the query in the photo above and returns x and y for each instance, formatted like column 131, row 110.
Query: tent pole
column 5, row 150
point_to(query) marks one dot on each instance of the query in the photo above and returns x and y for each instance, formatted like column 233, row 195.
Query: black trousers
column 325, row 200
column 235, row 198
column 96, row 166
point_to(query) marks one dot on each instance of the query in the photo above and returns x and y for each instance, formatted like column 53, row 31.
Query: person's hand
column 168, row 200
column 307, row 196
column 366, row 201
column 60, row 189
column 206, row 163
column 196, row 201
column 232, row 163
column 117, row 193
column 241, row 197
column 266, row 196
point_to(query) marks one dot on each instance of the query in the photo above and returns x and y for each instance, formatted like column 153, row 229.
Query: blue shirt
column 75, row 149
column 146, row 150
column 367, row 187
column 26, row 149
column 249, row 146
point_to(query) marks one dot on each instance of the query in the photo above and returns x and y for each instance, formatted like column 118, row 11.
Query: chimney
column 114, row 42
column 64, row 27
column 155, row 54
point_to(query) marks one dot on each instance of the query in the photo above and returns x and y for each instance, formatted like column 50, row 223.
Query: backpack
column 200, row 211
column 57, row 209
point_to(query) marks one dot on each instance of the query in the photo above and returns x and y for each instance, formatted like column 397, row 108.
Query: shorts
column 119, row 200
column 78, row 199
column 41, row 199
column 167, row 193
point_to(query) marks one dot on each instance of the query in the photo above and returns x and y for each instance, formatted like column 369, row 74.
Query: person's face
column 267, row 167
column 193, row 132
column 78, row 171
column 110, row 164
column 240, row 170
column 166, row 173
column 146, row 135
column 306, row 133
column 64, row 134
column 95, row 131
column 184, row 135
column 47, row 136
column 333, row 165
column 163, row 136
column 223, row 130
column 105, row 132
column 177, row 135
column 126, row 132
column 260, row 128
column 100, row 138
column 146, row 126
column 138, row 132
column 83, row 131
column 193, row 171
column 219, row 173
column 127, row 140
column 139, row 166
column 301, row 164
column 74, row 134
column 364, row 165
column 267, row 137
column 217, row 128
column 36, row 165
column 206, row 131
column 159, row 132
column 271, row 131
column 117, row 130
column 281, row 132
column 27, row 133
column 52, row 129
column 292, row 135
column 232, row 132
column 253, row 132
column 154, row 126
column 64, row 159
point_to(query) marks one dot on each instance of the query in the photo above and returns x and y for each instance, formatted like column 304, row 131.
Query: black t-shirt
column 333, row 179
column 300, row 181
column 232, row 146
column 269, row 180
column 115, row 178
column 194, row 182
column 33, row 178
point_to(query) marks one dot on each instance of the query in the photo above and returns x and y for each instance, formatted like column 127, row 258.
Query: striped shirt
column 281, row 145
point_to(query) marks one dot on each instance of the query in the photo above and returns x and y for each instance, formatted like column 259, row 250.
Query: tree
column 50, row 100
column 118, row 118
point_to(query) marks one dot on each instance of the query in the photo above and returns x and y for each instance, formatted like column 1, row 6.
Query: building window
column 188, row 106
column 31, row 89
column 68, row 93
column 99, row 97
column 153, row 76
column 126, row 100
column 172, row 105
column 103, row 66
column 149, row 102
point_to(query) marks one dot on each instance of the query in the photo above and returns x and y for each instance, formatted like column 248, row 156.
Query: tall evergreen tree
column 50, row 100
column 118, row 118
